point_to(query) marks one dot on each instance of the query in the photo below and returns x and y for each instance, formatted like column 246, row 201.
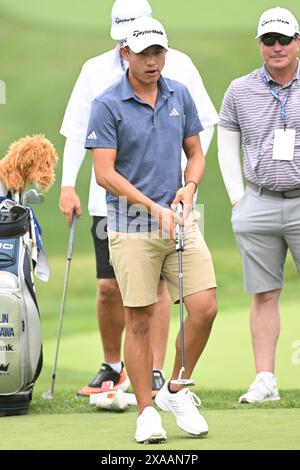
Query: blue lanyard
column 283, row 103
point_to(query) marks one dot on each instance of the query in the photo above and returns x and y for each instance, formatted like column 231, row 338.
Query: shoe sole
column 185, row 429
column 244, row 401
column 117, row 404
column 124, row 386
column 154, row 439
column 112, row 407
column 202, row 434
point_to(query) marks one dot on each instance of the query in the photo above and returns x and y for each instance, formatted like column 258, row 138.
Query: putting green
column 226, row 363
column 45, row 43
column 242, row 429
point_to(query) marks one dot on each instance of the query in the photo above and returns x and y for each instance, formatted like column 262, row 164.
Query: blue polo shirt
column 148, row 143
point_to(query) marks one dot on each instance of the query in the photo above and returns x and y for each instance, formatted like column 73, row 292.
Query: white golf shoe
column 149, row 428
column 261, row 390
column 183, row 405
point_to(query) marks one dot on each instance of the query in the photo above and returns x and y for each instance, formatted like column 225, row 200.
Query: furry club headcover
column 29, row 160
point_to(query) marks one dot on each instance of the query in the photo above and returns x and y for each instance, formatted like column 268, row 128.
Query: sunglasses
column 271, row 40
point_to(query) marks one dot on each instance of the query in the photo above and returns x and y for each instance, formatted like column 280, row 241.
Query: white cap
column 145, row 32
column 278, row 20
column 124, row 12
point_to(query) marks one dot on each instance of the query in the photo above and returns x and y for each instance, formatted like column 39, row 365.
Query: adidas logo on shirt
column 174, row 112
column 92, row 136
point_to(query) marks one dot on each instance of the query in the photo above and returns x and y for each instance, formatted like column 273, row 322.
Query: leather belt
column 289, row 194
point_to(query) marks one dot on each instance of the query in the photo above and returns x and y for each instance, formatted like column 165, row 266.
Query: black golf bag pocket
column 20, row 329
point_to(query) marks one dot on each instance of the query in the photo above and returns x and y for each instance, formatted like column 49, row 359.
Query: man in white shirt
column 97, row 75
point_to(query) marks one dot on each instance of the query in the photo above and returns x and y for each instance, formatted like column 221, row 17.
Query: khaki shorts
column 138, row 260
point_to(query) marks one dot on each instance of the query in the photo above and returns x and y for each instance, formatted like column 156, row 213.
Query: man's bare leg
column 160, row 326
column 138, row 353
column 265, row 329
column 202, row 309
column 110, row 313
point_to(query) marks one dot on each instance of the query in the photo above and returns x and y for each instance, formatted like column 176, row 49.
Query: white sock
column 159, row 370
column 116, row 366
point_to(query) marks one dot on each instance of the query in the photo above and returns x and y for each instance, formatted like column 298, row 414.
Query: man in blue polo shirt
column 137, row 130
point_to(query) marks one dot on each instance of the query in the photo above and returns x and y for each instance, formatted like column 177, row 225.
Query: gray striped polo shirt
column 250, row 108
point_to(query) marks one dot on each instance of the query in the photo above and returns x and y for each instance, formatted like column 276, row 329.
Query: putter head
column 33, row 197
column 184, row 382
column 47, row 395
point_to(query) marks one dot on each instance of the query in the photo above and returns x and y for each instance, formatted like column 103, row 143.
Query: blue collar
column 127, row 92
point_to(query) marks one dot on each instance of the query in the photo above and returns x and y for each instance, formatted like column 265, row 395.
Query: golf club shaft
column 63, row 301
column 180, row 277
column 180, row 249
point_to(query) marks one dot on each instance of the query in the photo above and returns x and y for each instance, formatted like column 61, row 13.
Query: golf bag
column 20, row 329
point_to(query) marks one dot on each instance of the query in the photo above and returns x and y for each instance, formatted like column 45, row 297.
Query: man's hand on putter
column 185, row 196
column 69, row 202
column 167, row 219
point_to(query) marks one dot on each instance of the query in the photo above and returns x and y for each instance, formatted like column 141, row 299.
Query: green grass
column 229, row 429
column 68, row 403
column 227, row 361
column 223, row 373
column 42, row 47
column 69, row 422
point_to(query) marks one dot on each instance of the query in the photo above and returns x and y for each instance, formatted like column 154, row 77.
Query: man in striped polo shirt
column 260, row 111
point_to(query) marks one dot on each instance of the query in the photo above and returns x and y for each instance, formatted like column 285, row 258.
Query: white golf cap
column 277, row 20
column 124, row 12
column 145, row 32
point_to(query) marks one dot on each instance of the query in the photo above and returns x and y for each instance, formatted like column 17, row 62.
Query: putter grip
column 72, row 235
column 179, row 234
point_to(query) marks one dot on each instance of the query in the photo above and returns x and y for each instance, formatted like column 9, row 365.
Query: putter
column 49, row 395
column 32, row 197
column 179, row 232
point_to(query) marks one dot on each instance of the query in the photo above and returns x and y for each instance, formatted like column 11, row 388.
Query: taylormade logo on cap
column 145, row 32
column 274, row 21
column 124, row 12
column 136, row 34
column 123, row 20
column 277, row 20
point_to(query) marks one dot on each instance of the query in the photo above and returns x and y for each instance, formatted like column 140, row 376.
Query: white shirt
column 96, row 76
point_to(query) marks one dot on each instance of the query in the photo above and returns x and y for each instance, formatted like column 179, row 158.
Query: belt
column 289, row 194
